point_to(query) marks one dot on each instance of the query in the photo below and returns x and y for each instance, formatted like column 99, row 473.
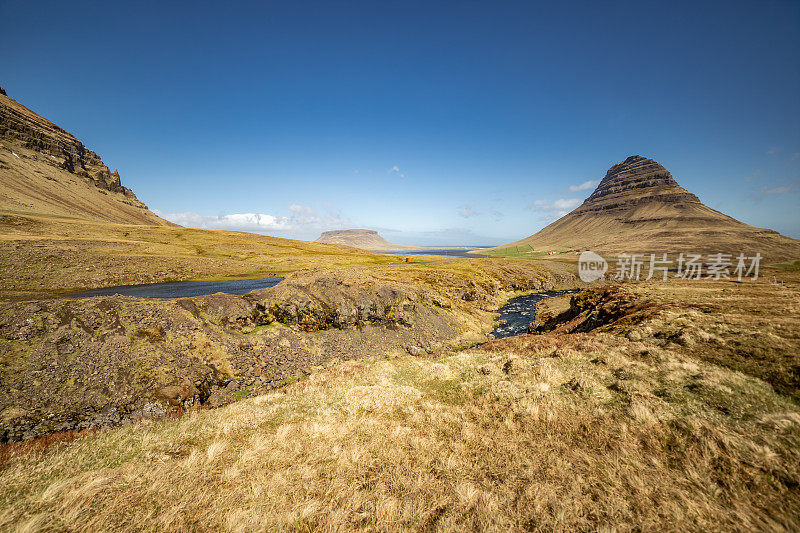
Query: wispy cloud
column 774, row 150
column 760, row 194
column 586, row 185
column 466, row 211
column 792, row 158
column 396, row 171
column 781, row 189
column 555, row 209
column 752, row 176
column 562, row 204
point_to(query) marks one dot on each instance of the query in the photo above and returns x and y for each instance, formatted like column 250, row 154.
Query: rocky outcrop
column 45, row 170
column 37, row 133
column 589, row 310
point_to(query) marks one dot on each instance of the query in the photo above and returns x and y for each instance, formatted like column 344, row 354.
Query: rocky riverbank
column 105, row 361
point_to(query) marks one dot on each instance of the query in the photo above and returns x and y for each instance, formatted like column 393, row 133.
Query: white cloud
column 396, row 171
column 773, row 150
column 236, row 221
column 466, row 211
column 584, row 186
column 561, row 205
column 781, row 189
column 303, row 222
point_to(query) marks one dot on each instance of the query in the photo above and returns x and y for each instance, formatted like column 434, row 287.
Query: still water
column 182, row 289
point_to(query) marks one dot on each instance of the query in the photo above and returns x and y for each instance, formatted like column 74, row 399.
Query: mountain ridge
column 365, row 239
column 45, row 170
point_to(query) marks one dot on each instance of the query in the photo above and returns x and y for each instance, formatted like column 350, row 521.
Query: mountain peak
column 635, row 180
column 639, row 207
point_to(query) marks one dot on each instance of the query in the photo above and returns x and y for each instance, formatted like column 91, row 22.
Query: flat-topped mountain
column 366, row 239
column 638, row 207
column 45, row 170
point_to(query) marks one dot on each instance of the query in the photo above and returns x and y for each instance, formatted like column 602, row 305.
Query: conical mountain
column 45, row 170
column 638, row 207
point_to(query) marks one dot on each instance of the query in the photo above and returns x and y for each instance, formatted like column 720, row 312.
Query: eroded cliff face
column 37, row 133
column 47, row 171
column 633, row 181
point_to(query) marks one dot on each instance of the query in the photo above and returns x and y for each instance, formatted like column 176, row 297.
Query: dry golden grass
column 43, row 255
column 581, row 431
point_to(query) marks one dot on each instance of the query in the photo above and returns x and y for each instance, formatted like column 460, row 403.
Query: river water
column 442, row 252
column 182, row 289
column 519, row 312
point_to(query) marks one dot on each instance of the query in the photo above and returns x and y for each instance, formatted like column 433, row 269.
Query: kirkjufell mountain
column 638, row 207
column 45, row 170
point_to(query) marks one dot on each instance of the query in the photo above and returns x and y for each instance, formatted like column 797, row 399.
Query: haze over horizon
column 453, row 124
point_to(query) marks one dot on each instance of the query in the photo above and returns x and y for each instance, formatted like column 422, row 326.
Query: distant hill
column 639, row 208
column 45, row 170
column 366, row 239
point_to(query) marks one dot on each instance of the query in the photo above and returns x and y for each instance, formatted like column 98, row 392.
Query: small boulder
column 414, row 350
column 153, row 410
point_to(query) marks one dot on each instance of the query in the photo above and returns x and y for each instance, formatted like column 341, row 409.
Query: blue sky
column 433, row 122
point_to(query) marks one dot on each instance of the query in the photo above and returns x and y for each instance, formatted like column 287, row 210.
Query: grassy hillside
column 46, row 254
column 658, row 416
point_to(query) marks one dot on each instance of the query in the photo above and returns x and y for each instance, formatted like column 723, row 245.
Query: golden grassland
column 43, row 255
column 636, row 425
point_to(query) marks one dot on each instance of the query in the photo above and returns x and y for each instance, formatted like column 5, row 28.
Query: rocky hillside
column 366, row 239
column 639, row 207
column 45, row 170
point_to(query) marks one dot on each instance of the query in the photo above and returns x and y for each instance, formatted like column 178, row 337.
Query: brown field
column 681, row 414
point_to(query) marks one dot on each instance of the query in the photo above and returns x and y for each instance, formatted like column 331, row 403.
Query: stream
column 182, row 289
column 519, row 312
